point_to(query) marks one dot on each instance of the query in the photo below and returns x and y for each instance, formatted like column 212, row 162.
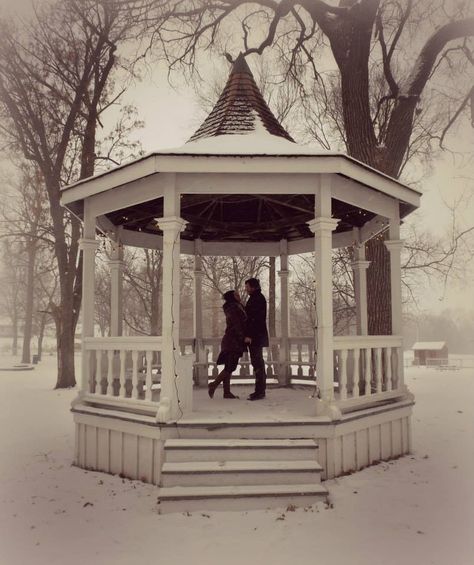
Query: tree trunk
column 29, row 302
column 378, row 287
column 15, row 333
column 65, row 330
column 41, row 336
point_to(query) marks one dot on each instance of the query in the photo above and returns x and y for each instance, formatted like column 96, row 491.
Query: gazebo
column 239, row 187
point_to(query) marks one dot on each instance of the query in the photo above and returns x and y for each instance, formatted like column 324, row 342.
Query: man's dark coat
column 256, row 310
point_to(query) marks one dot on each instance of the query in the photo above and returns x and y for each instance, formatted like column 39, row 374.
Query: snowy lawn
column 416, row 510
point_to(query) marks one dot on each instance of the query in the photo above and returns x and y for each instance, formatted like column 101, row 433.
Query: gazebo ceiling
column 240, row 217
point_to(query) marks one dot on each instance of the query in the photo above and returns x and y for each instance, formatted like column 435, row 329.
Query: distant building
column 430, row 353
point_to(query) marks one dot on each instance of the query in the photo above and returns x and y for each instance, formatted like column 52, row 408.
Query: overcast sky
column 172, row 115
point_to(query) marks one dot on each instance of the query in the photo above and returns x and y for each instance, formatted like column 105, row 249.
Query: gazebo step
column 227, row 473
column 182, row 499
column 240, row 449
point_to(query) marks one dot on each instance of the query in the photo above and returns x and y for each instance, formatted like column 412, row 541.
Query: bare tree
column 386, row 55
column 55, row 82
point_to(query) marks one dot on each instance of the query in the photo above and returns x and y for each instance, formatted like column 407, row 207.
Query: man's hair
column 254, row 283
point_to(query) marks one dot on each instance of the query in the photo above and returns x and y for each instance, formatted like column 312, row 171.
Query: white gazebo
column 240, row 187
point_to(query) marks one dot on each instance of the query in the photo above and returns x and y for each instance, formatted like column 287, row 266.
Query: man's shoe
column 256, row 396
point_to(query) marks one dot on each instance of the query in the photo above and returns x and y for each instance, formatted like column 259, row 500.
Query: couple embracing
column 246, row 327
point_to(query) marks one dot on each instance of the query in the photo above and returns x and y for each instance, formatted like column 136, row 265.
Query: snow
column 416, row 510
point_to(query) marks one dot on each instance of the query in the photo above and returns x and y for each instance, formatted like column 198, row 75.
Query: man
column 256, row 334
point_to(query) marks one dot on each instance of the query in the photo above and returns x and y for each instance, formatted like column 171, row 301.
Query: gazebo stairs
column 239, row 474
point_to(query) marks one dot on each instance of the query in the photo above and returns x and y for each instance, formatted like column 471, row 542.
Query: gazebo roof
column 241, row 109
column 242, row 178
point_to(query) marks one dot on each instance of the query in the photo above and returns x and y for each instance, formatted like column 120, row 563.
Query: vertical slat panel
column 145, row 459
column 116, row 452
column 386, row 440
column 397, row 438
column 362, row 449
column 374, row 444
column 348, row 453
column 130, row 456
column 103, row 450
column 337, row 455
column 91, row 447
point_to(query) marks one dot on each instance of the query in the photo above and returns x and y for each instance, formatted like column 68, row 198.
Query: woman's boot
column 227, row 393
column 211, row 387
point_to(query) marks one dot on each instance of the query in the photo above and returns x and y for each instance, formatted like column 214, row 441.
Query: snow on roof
column 431, row 345
column 256, row 142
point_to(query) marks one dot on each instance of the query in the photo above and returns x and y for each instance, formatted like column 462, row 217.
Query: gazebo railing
column 121, row 369
column 367, row 368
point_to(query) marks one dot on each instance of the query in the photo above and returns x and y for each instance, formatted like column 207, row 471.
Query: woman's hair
column 254, row 283
column 229, row 296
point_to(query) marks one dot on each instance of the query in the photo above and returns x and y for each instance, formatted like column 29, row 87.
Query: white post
column 395, row 246
column 171, row 225
column 284, row 372
column 322, row 227
column 200, row 352
column 359, row 267
column 116, row 266
column 88, row 245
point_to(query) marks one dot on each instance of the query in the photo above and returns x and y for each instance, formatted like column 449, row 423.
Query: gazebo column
column 88, row 245
column 116, row 266
column 199, row 350
column 284, row 373
column 359, row 268
column 171, row 225
column 395, row 246
column 322, row 227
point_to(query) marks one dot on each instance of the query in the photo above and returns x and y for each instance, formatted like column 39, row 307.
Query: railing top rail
column 128, row 343
column 363, row 341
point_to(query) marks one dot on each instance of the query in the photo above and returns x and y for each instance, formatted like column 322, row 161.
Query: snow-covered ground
column 416, row 510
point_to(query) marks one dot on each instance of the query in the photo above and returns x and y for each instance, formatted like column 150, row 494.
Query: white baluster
column 356, row 376
column 122, row 356
column 269, row 363
column 343, row 374
column 388, row 368
column 299, row 372
column 368, row 371
column 87, row 373
column 149, row 380
column 135, row 387
column 98, row 376
column 110, row 372
column 379, row 369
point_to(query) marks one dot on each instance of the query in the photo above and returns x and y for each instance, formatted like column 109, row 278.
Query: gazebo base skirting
column 133, row 445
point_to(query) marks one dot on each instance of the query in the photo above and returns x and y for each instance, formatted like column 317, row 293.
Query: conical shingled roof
column 239, row 107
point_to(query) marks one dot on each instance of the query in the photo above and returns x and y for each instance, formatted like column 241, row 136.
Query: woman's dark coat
column 256, row 310
column 233, row 340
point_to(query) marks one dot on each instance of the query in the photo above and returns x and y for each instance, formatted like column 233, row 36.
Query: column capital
column 360, row 265
column 86, row 243
column 283, row 273
column 323, row 224
column 116, row 263
column 198, row 273
column 394, row 244
column 171, row 223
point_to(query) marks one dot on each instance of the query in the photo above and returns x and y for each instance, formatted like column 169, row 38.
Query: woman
column 232, row 344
